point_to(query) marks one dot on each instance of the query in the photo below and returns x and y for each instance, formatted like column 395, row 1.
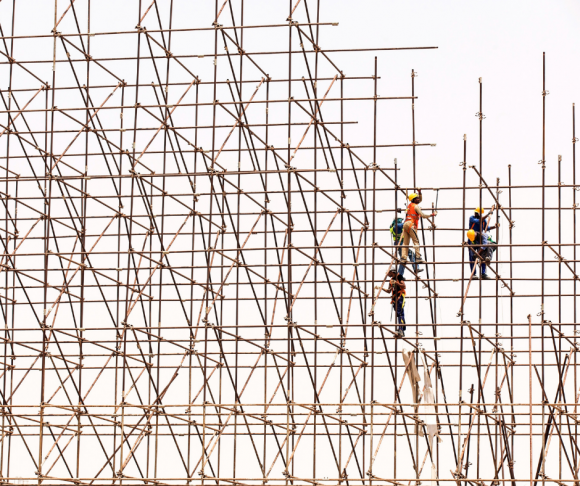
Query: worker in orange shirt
column 414, row 212
column 398, row 289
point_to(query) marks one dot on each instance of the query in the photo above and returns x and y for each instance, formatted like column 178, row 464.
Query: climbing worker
column 414, row 212
column 398, row 288
column 477, row 251
column 475, row 224
column 397, row 231
column 476, row 218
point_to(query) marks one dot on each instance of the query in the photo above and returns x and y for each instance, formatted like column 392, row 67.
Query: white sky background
column 502, row 42
column 499, row 41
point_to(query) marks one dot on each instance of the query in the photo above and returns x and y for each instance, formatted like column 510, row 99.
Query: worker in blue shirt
column 397, row 232
column 475, row 220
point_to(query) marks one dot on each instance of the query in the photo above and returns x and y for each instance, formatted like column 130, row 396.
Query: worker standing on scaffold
column 414, row 212
column 398, row 288
column 397, row 232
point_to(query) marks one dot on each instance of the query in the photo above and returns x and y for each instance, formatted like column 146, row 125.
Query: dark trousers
column 399, row 308
column 473, row 259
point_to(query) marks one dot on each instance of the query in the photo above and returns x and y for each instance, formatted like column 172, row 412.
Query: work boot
column 419, row 261
column 485, row 277
column 419, row 270
column 475, row 277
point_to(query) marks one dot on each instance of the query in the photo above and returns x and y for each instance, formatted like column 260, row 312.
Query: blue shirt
column 474, row 224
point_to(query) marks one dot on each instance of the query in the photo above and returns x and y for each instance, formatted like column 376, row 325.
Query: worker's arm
column 490, row 213
column 422, row 214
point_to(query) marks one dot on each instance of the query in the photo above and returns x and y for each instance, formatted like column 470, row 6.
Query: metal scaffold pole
column 201, row 243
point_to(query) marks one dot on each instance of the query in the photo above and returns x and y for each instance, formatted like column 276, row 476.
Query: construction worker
column 414, row 212
column 477, row 251
column 398, row 288
column 475, row 220
column 475, row 224
column 397, row 232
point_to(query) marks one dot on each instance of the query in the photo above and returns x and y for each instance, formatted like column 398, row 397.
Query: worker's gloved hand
column 433, row 214
column 497, row 225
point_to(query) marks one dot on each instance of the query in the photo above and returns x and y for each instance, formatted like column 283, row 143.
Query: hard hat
column 479, row 210
column 471, row 235
column 413, row 196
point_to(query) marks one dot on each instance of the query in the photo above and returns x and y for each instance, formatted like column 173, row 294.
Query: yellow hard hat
column 480, row 210
column 413, row 196
column 471, row 235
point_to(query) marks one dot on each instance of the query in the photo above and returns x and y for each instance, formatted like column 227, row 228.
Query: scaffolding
column 195, row 247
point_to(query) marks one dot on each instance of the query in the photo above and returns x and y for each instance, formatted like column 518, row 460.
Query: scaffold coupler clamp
column 541, row 313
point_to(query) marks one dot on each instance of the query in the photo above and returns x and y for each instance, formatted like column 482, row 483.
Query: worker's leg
column 406, row 236
column 402, row 267
column 471, row 261
column 415, row 238
column 412, row 260
column 483, row 269
column 488, row 253
column 401, row 314
column 396, row 311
